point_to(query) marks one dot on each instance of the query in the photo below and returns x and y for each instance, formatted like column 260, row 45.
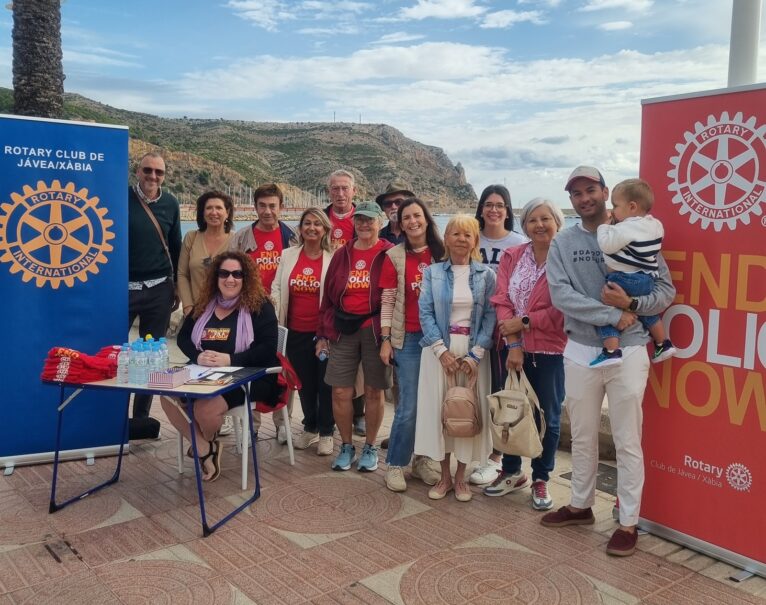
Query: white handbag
column 512, row 418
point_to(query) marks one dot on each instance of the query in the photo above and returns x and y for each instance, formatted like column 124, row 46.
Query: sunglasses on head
column 158, row 171
column 236, row 274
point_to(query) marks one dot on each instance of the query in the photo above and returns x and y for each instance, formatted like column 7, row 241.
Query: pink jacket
column 546, row 323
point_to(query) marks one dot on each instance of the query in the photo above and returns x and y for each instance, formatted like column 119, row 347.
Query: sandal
column 203, row 459
column 215, row 451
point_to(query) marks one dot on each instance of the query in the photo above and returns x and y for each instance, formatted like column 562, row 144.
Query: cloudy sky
column 518, row 91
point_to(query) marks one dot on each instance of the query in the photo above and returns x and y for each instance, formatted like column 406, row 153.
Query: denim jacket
column 436, row 304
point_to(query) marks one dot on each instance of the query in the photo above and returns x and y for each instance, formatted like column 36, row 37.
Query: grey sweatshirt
column 576, row 274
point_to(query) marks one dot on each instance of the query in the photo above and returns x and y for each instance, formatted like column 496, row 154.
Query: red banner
column 705, row 409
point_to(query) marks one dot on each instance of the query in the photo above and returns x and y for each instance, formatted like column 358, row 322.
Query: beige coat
column 192, row 267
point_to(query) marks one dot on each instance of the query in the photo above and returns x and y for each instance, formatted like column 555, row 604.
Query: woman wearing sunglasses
column 232, row 324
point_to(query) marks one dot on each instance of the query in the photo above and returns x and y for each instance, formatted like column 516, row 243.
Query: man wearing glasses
column 342, row 189
column 154, row 244
column 396, row 192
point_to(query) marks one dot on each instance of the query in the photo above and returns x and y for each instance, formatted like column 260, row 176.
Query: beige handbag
column 512, row 418
column 461, row 416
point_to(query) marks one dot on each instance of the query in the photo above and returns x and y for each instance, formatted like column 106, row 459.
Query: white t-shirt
column 492, row 249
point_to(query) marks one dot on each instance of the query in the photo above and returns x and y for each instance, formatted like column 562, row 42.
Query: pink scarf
column 244, row 323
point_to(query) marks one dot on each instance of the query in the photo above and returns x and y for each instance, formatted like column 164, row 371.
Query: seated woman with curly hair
column 232, row 324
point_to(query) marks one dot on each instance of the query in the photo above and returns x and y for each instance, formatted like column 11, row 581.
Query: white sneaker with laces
column 227, row 428
column 282, row 434
column 305, row 440
column 395, row 479
column 541, row 499
column 325, row 446
column 486, row 473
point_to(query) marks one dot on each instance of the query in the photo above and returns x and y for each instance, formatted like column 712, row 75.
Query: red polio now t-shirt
column 342, row 228
column 414, row 265
column 268, row 251
column 356, row 298
column 303, row 284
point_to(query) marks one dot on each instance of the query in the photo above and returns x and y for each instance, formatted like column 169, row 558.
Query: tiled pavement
column 316, row 536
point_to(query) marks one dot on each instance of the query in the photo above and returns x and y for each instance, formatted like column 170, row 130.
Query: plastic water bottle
column 142, row 375
column 123, row 364
column 133, row 364
column 165, row 353
column 151, row 359
column 323, row 354
column 157, row 365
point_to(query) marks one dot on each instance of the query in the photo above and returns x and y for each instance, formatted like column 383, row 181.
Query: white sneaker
column 395, row 479
column 425, row 469
column 325, row 446
column 305, row 440
column 227, row 428
column 486, row 473
column 541, row 499
column 282, row 434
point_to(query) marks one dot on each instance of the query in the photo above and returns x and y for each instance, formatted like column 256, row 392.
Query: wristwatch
column 385, row 337
column 525, row 322
column 633, row 304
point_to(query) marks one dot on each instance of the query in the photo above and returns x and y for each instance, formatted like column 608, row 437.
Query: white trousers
column 624, row 387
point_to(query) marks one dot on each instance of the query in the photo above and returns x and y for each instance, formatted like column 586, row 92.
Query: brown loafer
column 564, row 516
column 622, row 543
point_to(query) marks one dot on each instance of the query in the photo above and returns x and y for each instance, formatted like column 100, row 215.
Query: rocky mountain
column 236, row 156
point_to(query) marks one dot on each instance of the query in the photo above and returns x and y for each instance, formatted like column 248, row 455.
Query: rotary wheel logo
column 719, row 173
column 54, row 234
column 739, row 477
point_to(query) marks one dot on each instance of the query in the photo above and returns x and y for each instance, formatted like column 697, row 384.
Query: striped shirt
column 632, row 245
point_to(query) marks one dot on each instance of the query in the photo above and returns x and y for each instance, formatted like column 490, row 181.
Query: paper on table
column 197, row 371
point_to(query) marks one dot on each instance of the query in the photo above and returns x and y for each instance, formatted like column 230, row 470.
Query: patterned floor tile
column 165, row 582
column 470, row 575
column 37, row 564
column 20, row 523
column 639, row 575
column 116, row 542
column 699, row 590
column 80, row 589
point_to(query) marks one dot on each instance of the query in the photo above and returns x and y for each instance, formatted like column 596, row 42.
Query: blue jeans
column 634, row 284
column 402, row 440
column 546, row 375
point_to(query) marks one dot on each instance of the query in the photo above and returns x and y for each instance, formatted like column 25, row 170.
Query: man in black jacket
column 152, row 260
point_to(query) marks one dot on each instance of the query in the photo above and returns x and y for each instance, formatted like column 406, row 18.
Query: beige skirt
column 432, row 385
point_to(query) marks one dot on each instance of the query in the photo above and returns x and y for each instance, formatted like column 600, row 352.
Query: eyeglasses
column 225, row 274
column 158, row 171
column 494, row 206
column 390, row 203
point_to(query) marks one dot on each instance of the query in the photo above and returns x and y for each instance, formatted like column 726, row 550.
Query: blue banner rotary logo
column 53, row 234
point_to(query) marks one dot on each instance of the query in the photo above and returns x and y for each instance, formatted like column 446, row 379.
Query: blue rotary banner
column 63, row 275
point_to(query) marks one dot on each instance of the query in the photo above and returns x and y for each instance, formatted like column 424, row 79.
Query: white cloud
column 427, row 62
column 548, row 3
column 324, row 9
column 397, row 37
column 442, row 9
column 506, row 18
column 98, row 56
column 611, row 26
column 638, row 6
column 263, row 13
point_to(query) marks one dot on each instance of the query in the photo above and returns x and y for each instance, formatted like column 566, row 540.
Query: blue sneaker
column 345, row 458
column 368, row 461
